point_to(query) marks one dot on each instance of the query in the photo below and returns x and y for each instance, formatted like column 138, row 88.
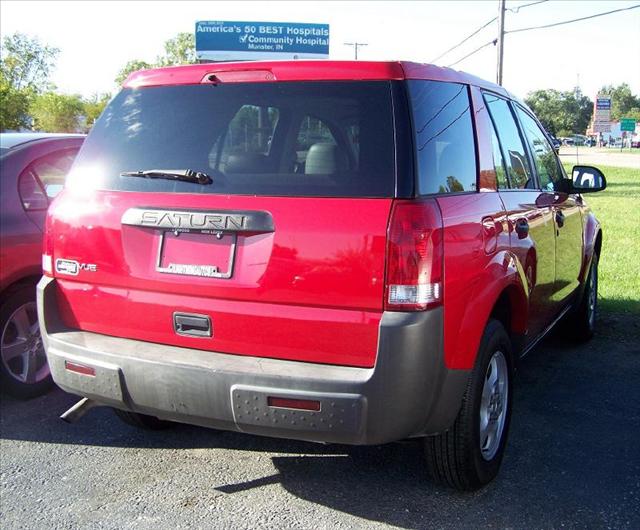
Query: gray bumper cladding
column 409, row 392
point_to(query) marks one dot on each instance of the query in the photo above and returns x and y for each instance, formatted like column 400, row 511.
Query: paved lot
column 573, row 461
column 601, row 157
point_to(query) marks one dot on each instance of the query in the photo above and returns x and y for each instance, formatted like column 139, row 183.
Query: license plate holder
column 206, row 252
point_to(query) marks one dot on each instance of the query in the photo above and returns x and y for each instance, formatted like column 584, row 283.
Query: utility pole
column 500, row 41
column 355, row 46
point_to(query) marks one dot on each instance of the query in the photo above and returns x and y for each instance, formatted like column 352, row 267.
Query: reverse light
column 414, row 256
column 47, row 264
column 47, row 246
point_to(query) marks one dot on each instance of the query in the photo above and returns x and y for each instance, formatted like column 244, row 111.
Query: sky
column 97, row 38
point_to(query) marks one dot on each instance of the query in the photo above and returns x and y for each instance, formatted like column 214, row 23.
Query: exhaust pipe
column 78, row 410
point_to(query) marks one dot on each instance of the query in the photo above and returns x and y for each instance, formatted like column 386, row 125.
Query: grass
column 618, row 210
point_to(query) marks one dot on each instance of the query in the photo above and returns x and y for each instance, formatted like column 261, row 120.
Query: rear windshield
column 332, row 139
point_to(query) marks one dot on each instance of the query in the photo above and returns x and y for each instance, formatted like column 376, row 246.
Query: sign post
column 239, row 41
column 602, row 114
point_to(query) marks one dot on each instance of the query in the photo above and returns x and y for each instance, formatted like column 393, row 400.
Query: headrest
column 325, row 159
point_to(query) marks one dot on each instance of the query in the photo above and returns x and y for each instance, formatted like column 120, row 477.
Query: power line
column 494, row 42
column 513, row 10
column 356, row 45
column 518, row 8
column 465, row 39
column 573, row 20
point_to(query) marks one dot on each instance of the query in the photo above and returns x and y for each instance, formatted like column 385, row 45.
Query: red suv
column 343, row 252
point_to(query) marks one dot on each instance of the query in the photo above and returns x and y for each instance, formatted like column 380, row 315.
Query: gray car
column 33, row 167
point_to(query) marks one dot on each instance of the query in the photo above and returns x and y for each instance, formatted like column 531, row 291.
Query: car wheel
column 23, row 363
column 142, row 421
column 583, row 322
column 468, row 455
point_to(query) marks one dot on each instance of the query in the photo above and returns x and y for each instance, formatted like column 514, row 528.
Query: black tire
column 13, row 371
column 455, row 457
column 142, row 421
column 581, row 325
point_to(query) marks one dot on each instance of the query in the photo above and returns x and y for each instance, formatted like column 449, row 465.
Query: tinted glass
column 444, row 138
column 31, row 193
column 516, row 161
column 543, row 154
column 52, row 170
column 498, row 161
column 290, row 139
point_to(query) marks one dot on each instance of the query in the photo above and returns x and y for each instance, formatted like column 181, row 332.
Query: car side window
column 542, row 152
column 498, row 161
column 515, row 155
column 52, row 169
column 443, row 136
column 246, row 143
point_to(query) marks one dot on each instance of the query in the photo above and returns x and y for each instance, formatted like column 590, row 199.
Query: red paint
column 314, row 289
column 257, row 71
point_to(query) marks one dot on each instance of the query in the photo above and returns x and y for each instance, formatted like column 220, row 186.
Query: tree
column 25, row 65
column 561, row 111
column 129, row 68
column 623, row 103
column 179, row 50
column 94, row 106
column 54, row 112
column 14, row 106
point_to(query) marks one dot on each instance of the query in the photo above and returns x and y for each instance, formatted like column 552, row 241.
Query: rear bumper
column 409, row 392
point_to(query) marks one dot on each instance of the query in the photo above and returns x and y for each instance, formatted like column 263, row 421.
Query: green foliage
column 14, row 106
column 94, row 106
column 179, row 50
column 561, row 113
column 54, row 112
column 25, row 65
column 129, row 68
column 623, row 103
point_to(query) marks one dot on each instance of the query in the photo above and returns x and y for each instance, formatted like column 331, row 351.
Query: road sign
column 231, row 41
column 602, row 113
column 627, row 124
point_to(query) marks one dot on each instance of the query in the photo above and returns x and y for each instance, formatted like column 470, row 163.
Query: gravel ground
column 573, row 461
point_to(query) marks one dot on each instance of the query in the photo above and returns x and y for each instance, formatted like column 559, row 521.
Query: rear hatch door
column 275, row 248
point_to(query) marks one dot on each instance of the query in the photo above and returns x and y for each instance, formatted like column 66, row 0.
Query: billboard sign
column 234, row 41
column 602, row 113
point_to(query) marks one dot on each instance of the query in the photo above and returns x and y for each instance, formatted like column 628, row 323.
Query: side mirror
column 587, row 179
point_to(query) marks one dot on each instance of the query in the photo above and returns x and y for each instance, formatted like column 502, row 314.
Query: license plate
column 209, row 255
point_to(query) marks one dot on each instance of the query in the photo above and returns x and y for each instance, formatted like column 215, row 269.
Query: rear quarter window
column 443, row 137
column 314, row 139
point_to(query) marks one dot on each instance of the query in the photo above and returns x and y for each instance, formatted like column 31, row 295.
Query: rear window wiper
column 185, row 175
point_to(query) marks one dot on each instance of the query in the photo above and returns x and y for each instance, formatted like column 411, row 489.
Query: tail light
column 47, row 248
column 414, row 256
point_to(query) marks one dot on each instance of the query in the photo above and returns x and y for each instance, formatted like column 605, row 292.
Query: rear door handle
column 522, row 228
column 192, row 325
column 559, row 218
